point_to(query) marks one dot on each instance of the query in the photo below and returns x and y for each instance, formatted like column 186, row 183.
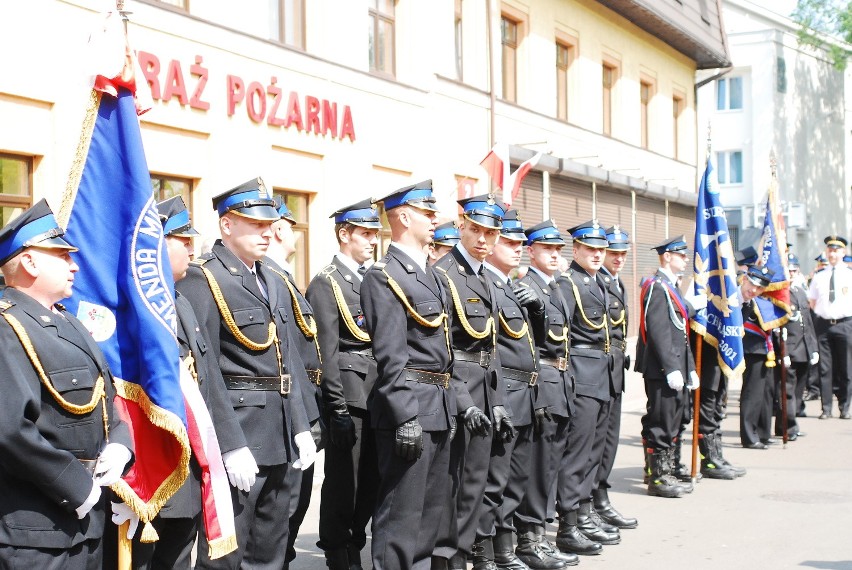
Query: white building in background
column 785, row 100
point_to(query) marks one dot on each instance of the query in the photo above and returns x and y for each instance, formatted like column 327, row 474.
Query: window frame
column 678, row 107
column 724, row 170
column 298, row 13
column 376, row 17
column 608, row 93
column 564, row 72
column 458, row 38
column 17, row 201
column 300, row 261
column 647, row 90
column 164, row 178
column 509, row 83
column 723, row 91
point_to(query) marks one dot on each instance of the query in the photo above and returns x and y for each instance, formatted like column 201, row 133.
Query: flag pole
column 773, row 167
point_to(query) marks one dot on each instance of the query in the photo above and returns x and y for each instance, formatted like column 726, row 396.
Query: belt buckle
column 484, row 358
column 318, row 374
column 562, row 363
column 446, row 383
column 533, row 378
column 832, row 321
column 285, row 384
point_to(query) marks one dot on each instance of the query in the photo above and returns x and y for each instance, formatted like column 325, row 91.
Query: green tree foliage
column 819, row 18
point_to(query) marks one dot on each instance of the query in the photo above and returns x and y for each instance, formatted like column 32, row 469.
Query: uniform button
column 251, row 318
column 74, row 381
column 242, row 399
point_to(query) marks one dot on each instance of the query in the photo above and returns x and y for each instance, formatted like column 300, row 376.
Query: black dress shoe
column 824, row 416
column 756, row 445
column 769, row 441
column 793, row 437
column 846, row 416
column 801, row 414
column 801, row 434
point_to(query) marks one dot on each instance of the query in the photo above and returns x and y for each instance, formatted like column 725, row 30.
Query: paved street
column 792, row 509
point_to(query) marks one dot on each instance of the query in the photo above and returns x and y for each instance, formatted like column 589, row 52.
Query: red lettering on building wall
column 236, row 93
column 150, row 68
column 174, row 84
column 348, row 128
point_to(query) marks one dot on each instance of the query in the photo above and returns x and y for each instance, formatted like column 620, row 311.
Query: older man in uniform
column 476, row 371
column 349, row 372
column 556, row 399
column 412, row 406
column 446, row 236
column 663, row 357
column 580, row 529
column 245, row 310
column 60, row 439
column 618, row 244
column 830, row 297
column 521, row 319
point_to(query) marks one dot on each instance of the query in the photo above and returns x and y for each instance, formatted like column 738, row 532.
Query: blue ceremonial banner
column 124, row 291
column 715, row 273
column 773, row 306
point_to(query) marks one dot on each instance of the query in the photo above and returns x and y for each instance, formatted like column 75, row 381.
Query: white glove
column 697, row 302
column 241, row 467
column 307, row 450
column 784, row 334
column 121, row 514
column 694, row 381
column 675, row 380
column 814, row 358
column 91, row 501
column 787, row 362
column 111, row 464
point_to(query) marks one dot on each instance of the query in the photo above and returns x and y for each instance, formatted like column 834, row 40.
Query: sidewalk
column 792, row 510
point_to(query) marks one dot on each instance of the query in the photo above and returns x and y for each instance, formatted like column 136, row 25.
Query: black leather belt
column 280, row 384
column 560, row 363
column 483, row 357
column 595, row 346
column 315, row 376
column 89, row 465
column 835, row 321
column 519, row 375
column 441, row 379
column 364, row 352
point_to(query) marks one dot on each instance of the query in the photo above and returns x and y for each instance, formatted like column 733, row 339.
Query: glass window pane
column 736, row 96
column 9, row 213
column 385, row 46
column 721, row 168
column 736, row 167
column 721, row 94
column 386, row 7
column 14, row 176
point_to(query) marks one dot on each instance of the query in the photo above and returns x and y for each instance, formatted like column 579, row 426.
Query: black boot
column 608, row 513
column 504, row 552
column 710, row 466
column 570, row 539
column 686, row 480
column 661, row 483
column 529, row 551
column 646, row 470
column 680, row 471
column 439, row 563
column 550, row 549
column 337, row 559
column 586, row 524
column 482, row 552
column 354, row 557
column 458, row 562
column 717, row 447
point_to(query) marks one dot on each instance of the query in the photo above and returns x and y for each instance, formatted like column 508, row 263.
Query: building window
column 646, row 91
column 298, row 202
column 730, row 167
column 382, row 36
column 458, row 39
column 677, row 109
column 183, row 4
column 509, row 34
column 729, row 94
column 565, row 54
column 165, row 188
column 287, row 22
column 610, row 77
column 15, row 186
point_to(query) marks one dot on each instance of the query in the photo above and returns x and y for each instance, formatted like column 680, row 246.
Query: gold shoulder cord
column 229, row 318
column 435, row 323
column 98, row 392
column 307, row 326
column 344, row 312
column 489, row 329
column 524, row 330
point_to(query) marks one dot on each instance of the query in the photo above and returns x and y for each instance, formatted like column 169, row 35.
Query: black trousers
column 411, row 499
column 302, row 485
column 711, row 408
column 791, row 402
column 802, row 372
column 612, row 432
column 348, row 495
column 586, row 441
column 835, row 362
column 546, row 453
column 507, row 481
column 756, row 400
column 261, row 518
column 173, row 550
column 664, row 414
column 84, row 556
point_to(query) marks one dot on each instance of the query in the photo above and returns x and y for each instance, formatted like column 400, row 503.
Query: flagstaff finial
column 709, row 140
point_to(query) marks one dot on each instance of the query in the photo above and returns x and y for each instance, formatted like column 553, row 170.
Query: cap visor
column 368, row 225
column 593, row 242
column 423, row 205
column 55, row 243
column 514, row 236
column 266, row 213
column 485, row 221
column 190, row 233
column 618, row 247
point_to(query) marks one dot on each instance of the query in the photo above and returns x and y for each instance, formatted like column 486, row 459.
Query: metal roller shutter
column 529, row 205
column 614, row 208
column 682, row 221
column 650, row 230
column 570, row 204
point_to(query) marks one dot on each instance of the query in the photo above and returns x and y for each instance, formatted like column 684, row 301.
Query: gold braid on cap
column 343, row 309
column 489, row 329
column 229, row 318
column 420, row 319
column 98, row 392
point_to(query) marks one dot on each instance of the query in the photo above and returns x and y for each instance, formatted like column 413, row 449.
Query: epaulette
column 328, row 270
column 378, row 265
column 199, row 261
column 441, row 269
column 4, row 304
column 60, row 306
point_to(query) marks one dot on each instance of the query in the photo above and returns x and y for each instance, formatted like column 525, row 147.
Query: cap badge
column 491, row 200
column 45, row 318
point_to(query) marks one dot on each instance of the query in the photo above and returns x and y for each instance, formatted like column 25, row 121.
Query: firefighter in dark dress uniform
column 245, row 310
column 412, row 406
column 446, row 236
column 349, row 372
column 556, row 398
column 60, row 439
column 802, row 346
column 760, row 358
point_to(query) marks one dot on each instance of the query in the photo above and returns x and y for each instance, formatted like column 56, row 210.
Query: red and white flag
column 499, row 168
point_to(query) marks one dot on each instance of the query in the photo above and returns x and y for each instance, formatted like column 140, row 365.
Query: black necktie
column 362, row 269
column 831, row 287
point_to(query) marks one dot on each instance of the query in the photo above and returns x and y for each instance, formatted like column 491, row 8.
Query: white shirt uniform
column 819, row 291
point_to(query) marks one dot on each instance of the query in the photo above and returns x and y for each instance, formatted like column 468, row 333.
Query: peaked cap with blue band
column 590, row 234
column 250, row 199
column 512, row 228
column 746, row 256
column 821, row 258
column 447, row 234
column 35, row 227
column 847, row 259
column 675, row 245
column 175, row 218
column 759, row 276
column 418, row 195
column 362, row 214
column 544, row 232
column 617, row 239
column 792, row 260
column 483, row 210
column 283, row 211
